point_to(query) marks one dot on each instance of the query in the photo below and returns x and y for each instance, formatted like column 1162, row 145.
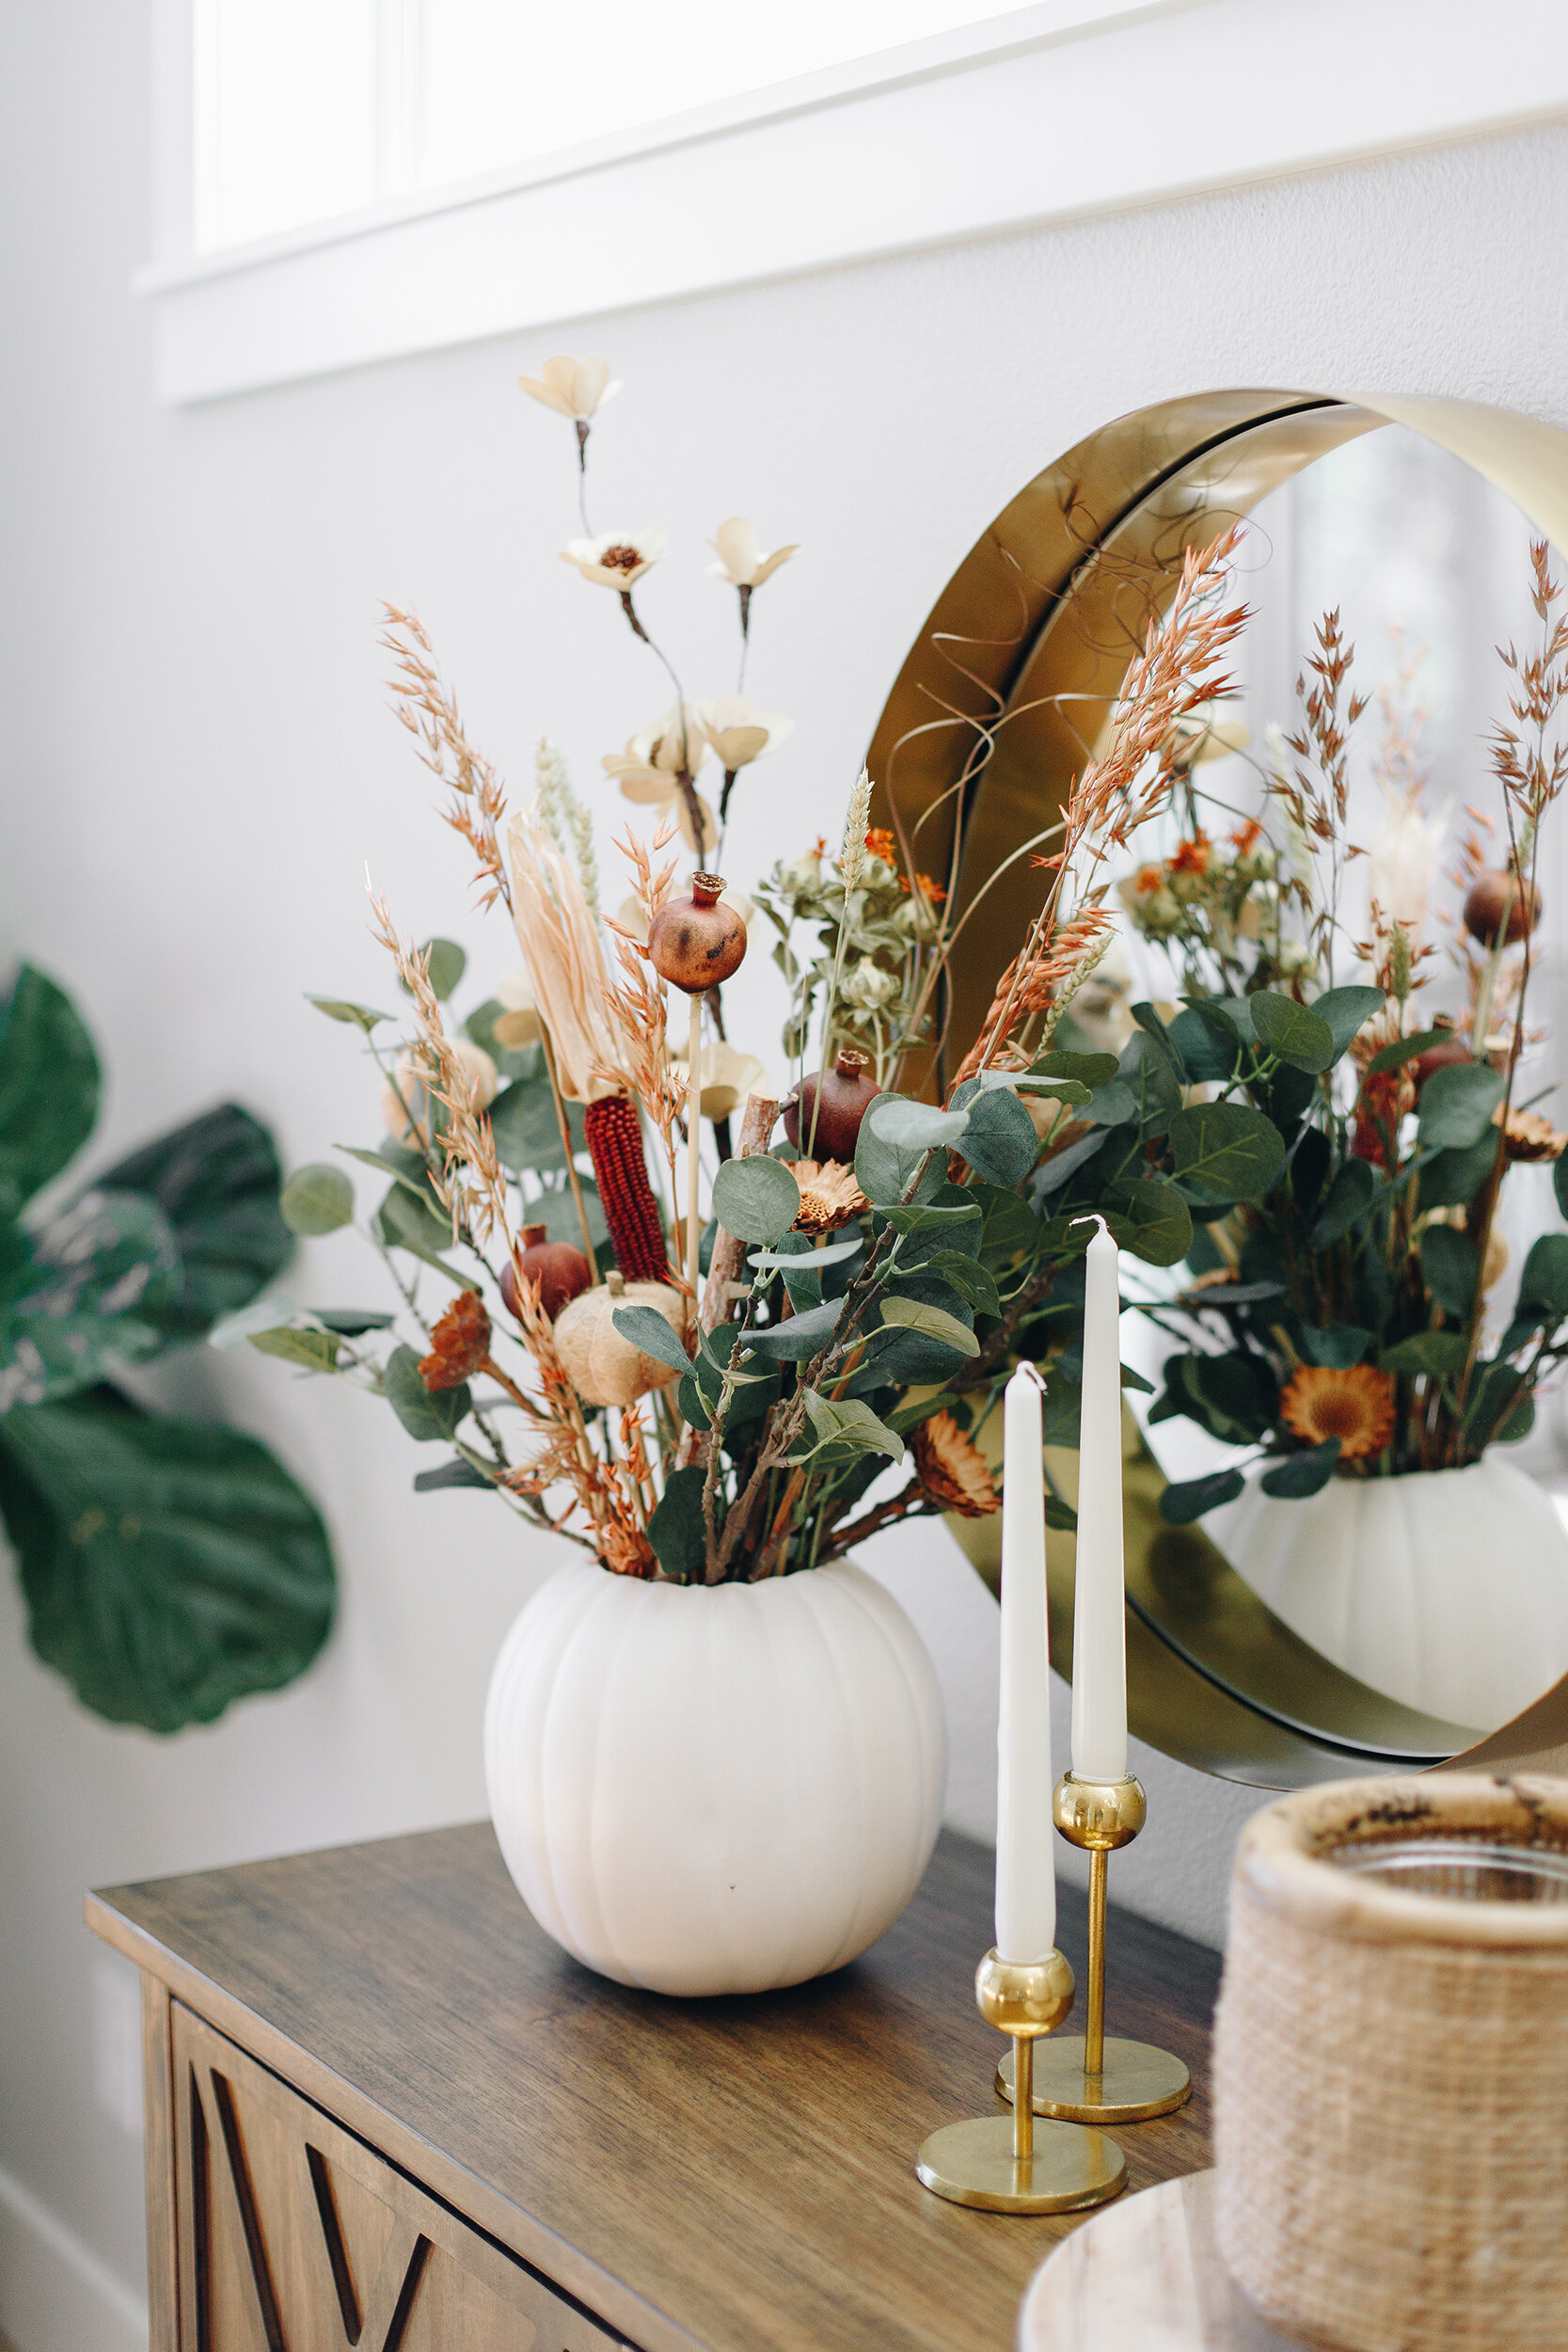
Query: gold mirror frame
column 995, row 708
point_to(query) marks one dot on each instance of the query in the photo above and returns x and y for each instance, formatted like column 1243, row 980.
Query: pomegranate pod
column 848, row 1093
column 562, row 1272
column 1495, row 902
column 696, row 942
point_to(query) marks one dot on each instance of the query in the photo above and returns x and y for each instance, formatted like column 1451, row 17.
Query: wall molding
column 1056, row 114
column 56, row 2295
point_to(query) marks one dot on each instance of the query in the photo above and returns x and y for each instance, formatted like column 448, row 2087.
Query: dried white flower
column 616, row 559
column 739, row 563
column 578, row 388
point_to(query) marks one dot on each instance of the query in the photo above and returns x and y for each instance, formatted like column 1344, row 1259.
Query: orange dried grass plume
column 1354, row 1405
column 952, row 1469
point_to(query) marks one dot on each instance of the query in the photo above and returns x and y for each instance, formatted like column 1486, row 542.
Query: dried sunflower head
column 459, row 1344
column 829, row 1196
column 1354, row 1405
column 1528, row 1136
column 952, row 1468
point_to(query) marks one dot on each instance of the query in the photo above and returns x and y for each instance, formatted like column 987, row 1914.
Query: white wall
column 199, row 762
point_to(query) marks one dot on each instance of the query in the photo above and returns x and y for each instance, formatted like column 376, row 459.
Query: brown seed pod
column 604, row 1366
column 696, row 942
column 1439, row 1057
column 1495, row 902
column 562, row 1272
column 848, row 1092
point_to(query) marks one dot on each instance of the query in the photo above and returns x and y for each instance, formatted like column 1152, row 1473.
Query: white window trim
column 1072, row 108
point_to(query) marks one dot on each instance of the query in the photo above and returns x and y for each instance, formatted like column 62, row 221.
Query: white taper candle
column 1026, row 1856
column 1100, row 1599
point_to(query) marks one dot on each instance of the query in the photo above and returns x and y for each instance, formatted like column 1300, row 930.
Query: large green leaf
column 1000, row 1142
column 425, row 1413
column 885, row 1168
column 86, row 1292
column 216, row 1180
column 1346, row 1010
column 1456, row 1105
column 757, row 1200
column 48, row 1088
column 1149, row 1218
column 170, row 1566
column 1288, row 1030
column 1231, row 1150
column 1451, row 1265
column 526, row 1131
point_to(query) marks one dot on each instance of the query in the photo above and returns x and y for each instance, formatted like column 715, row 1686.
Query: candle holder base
column 1068, row 2171
column 1137, row 2082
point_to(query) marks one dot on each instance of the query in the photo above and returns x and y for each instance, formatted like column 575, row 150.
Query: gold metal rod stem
column 693, row 1140
column 1094, row 2038
column 1024, row 2106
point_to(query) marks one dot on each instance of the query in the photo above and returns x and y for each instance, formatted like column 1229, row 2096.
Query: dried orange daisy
column 459, row 1344
column 1354, row 1405
column 1528, row 1136
column 829, row 1196
column 1192, row 857
column 952, row 1468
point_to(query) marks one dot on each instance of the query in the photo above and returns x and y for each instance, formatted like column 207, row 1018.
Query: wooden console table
column 384, row 2111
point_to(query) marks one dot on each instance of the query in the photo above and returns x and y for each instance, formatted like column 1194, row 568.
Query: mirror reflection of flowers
column 1343, row 1147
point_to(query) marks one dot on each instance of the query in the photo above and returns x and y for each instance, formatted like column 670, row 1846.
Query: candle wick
column 1027, row 1371
column 1091, row 1216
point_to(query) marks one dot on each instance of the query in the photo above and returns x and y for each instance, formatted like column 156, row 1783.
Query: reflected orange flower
column 1354, row 1405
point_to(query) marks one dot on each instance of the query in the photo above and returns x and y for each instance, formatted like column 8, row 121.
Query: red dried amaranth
column 614, row 1135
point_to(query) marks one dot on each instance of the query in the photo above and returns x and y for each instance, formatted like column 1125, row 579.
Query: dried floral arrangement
column 696, row 1350
column 1339, row 1315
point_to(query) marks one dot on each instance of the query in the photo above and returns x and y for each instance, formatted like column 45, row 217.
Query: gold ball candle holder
column 1086, row 2078
column 1012, row 2164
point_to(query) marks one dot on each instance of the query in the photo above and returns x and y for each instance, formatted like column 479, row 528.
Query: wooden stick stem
column 565, row 1125
column 693, row 1141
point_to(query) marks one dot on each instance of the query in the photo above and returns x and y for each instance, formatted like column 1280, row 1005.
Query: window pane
column 286, row 114
column 502, row 81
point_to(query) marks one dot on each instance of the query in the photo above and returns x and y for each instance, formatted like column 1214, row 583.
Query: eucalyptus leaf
column 313, row 1351
column 1230, row 1150
column 885, row 1170
column 929, row 1217
column 1405, row 1049
column 1209, row 1049
column 914, row 1127
column 459, row 1471
column 1544, row 1283
column 1112, row 1104
column 999, row 1141
column 799, row 1337
column 1288, row 1031
column 425, row 1413
column 1066, row 1163
column 1349, row 1196
column 1426, row 1354
column 1089, row 1070
column 1456, row 1105
column 1182, row 1503
column 170, row 1566
column 768, row 1260
column 973, row 1281
column 1149, row 1218
column 1450, row 1267
column 526, row 1131
column 404, row 1222
column 756, row 1199
column 339, row 1008
column 1301, row 1474
column 1450, row 1180
column 1334, row 1346
column 353, row 1321
column 932, row 1323
column 647, row 1329
column 445, row 963
column 1346, row 1012
column 675, row 1529
column 317, row 1198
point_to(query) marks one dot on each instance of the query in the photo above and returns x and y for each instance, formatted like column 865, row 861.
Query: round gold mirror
column 999, row 703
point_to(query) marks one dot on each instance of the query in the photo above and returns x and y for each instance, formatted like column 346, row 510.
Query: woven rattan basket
column 1391, row 2066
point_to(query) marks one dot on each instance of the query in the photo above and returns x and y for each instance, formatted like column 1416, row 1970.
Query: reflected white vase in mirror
column 1447, row 1589
column 715, row 1790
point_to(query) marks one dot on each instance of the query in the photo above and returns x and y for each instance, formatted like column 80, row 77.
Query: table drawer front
column 293, row 2236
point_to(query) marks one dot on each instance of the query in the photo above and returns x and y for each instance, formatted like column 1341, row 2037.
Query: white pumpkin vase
column 1447, row 1589
column 715, row 1790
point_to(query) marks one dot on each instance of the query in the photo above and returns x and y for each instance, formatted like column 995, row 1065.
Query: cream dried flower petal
column 830, row 1197
column 616, row 559
column 578, row 388
column 735, row 543
column 739, row 732
column 952, row 1468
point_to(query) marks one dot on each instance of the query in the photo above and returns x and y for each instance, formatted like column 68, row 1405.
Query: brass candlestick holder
column 1086, row 2078
column 1011, row 2164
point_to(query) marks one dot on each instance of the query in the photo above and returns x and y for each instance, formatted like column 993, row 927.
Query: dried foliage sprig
column 429, row 711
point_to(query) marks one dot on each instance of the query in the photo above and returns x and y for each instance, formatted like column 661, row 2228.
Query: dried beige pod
column 518, row 1023
column 603, row 1366
column 408, row 1095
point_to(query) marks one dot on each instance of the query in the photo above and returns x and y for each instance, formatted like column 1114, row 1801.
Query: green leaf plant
column 170, row 1566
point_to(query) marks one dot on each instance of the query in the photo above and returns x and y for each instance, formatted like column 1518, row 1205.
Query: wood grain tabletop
column 734, row 2174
